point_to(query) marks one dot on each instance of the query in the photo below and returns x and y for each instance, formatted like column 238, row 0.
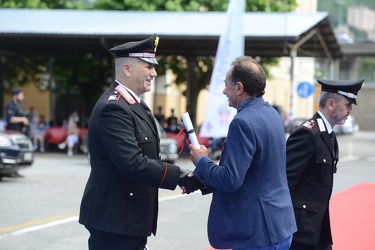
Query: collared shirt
column 328, row 125
column 131, row 92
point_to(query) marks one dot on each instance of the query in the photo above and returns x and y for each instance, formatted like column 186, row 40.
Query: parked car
column 16, row 152
column 168, row 146
column 350, row 126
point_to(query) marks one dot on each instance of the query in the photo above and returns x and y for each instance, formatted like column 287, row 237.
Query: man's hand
column 190, row 184
column 196, row 152
column 25, row 121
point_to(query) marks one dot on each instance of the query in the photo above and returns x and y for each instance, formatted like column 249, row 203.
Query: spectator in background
column 38, row 133
column 73, row 134
column 3, row 123
column 287, row 123
column 215, row 146
column 64, row 124
column 16, row 117
column 15, row 114
column 171, row 119
column 53, row 121
column 34, row 119
column 32, row 114
column 160, row 116
column 172, row 126
column 87, row 122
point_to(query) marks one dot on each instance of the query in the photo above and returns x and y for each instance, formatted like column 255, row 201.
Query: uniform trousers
column 100, row 240
column 300, row 246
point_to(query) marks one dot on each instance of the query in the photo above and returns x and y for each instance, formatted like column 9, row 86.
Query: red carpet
column 353, row 218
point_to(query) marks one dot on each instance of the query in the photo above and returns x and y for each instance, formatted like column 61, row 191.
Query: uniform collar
column 131, row 92
column 328, row 125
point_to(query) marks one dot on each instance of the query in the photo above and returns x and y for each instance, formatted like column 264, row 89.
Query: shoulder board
column 125, row 94
column 309, row 124
column 114, row 96
column 321, row 126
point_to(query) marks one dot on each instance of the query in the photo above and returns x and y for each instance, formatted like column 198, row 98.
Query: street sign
column 304, row 89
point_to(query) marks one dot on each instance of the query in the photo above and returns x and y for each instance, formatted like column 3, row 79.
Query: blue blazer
column 251, row 204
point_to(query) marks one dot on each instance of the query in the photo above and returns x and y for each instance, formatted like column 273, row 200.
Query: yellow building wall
column 34, row 97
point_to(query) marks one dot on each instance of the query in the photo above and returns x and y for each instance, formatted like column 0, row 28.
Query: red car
column 57, row 135
column 180, row 137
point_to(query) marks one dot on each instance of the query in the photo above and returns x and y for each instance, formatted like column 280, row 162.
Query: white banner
column 231, row 45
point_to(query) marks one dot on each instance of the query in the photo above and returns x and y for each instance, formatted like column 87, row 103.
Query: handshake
column 190, row 184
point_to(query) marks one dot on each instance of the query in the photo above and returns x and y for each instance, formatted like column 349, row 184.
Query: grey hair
column 324, row 96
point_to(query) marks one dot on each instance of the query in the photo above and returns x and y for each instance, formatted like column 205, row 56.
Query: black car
column 16, row 152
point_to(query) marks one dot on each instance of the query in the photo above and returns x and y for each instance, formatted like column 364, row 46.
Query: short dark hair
column 250, row 73
column 16, row 91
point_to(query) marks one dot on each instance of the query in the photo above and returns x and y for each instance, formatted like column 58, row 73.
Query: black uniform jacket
column 14, row 109
column 310, row 167
column 121, row 195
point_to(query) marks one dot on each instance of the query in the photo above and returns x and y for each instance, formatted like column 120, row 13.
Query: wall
column 364, row 112
column 33, row 97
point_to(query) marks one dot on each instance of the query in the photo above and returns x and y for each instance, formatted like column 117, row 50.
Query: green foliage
column 42, row 4
column 359, row 35
column 368, row 3
column 337, row 11
column 192, row 5
column 22, row 69
column 86, row 75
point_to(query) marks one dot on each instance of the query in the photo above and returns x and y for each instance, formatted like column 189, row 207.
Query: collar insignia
column 321, row 126
column 125, row 94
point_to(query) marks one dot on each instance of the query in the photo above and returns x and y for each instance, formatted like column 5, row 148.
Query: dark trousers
column 100, row 240
column 300, row 246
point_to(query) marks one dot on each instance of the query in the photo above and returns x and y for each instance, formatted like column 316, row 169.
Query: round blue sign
column 304, row 89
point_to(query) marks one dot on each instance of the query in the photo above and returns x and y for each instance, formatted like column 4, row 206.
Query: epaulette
column 121, row 90
column 114, row 96
column 309, row 124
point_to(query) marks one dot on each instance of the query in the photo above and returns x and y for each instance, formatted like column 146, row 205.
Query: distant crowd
column 34, row 125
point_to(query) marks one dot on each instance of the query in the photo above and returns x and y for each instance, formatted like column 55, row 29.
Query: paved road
column 40, row 211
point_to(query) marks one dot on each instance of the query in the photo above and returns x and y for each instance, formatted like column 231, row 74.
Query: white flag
column 231, row 45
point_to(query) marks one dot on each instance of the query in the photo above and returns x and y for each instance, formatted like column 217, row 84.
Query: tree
column 73, row 81
column 43, row 4
column 201, row 66
column 338, row 9
column 79, row 79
